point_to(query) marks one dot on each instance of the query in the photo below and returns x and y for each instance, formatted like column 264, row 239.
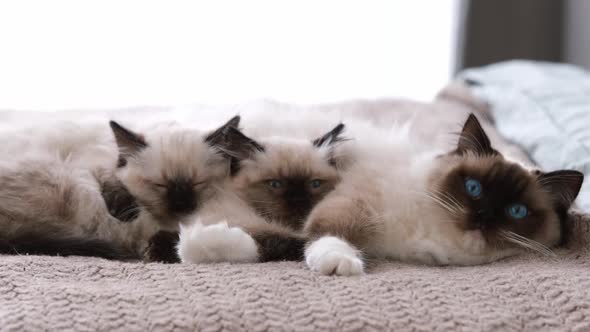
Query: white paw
column 216, row 243
column 330, row 255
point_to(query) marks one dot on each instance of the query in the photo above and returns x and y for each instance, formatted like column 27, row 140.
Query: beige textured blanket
column 529, row 293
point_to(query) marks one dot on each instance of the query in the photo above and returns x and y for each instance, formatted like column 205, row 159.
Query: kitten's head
column 172, row 171
column 284, row 178
column 498, row 205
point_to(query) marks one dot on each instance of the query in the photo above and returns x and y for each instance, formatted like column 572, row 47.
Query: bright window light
column 71, row 54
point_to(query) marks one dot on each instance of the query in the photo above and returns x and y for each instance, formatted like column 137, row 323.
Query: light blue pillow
column 544, row 107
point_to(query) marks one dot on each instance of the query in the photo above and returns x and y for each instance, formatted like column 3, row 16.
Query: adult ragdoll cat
column 469, row 206
column 68, row 198
column 259, row 214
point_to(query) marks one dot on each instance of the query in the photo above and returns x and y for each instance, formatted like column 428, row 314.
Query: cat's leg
column 162, row 248
column 221, row 242
column 277, row 243
column 341, row 228
column 332, row 255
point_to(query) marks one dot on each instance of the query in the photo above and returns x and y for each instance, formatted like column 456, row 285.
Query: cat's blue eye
column 316, row 183
column 276, row 184
column 518, row 211
column 473, row 187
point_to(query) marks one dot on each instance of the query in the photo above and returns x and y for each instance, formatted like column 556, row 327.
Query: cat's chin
column 474, row 242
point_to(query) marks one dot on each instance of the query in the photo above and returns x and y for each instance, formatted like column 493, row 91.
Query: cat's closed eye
column 159, row 186
column 198, row 183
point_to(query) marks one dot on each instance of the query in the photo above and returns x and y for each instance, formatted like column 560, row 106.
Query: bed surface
column 79, row 294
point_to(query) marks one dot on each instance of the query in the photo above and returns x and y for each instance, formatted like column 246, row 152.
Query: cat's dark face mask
column 508, row 205
column 172, row 176
column 283, row 182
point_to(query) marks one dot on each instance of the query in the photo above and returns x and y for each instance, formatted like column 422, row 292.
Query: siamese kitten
column 51, row 203
column 469, row 206
column 259, row 214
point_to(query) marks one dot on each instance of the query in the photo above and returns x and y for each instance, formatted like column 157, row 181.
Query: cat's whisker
column 456, row 201
column 527, row 243
column 378, row 218
column 446, row 203
column 449, row 221
column 129, row 212
column 263, row 202
column 270, row 213
column 543, row 250
column 440, row 202
column 450, row 199
column 443, row 203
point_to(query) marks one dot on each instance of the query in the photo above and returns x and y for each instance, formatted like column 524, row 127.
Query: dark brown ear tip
column 115, row 125
column 580, row 177
column 125, row 137
column 118, row 129
column 472, row 120
column 474, row 138
column 571, row 173
column 569, row 180
column 235, row 121
column 331, row 137
column 577, row 174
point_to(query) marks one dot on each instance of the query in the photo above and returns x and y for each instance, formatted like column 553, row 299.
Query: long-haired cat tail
column 61, row 245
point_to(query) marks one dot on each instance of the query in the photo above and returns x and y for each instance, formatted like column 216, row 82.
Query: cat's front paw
column 330, row 255
column 216, row 243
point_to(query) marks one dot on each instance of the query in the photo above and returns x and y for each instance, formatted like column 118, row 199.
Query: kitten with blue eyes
column 274, row 183
column 469, row 206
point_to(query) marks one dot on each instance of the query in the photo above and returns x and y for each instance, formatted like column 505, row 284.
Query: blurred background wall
column 111, row 53
column 577, row 32
column 549, row 30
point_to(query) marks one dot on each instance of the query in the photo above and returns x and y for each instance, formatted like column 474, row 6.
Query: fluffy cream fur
column 52, row 184
column 385, row 171
column 384, row 208
column 231, row 204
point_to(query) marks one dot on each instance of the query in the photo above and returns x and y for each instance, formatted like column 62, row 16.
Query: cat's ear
column 219, row 135
column 474, row 139
column 128, row 142
column 563, row 186
column 240, row 146
column 330, row 140
column 231, row 141
column 331, row 137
